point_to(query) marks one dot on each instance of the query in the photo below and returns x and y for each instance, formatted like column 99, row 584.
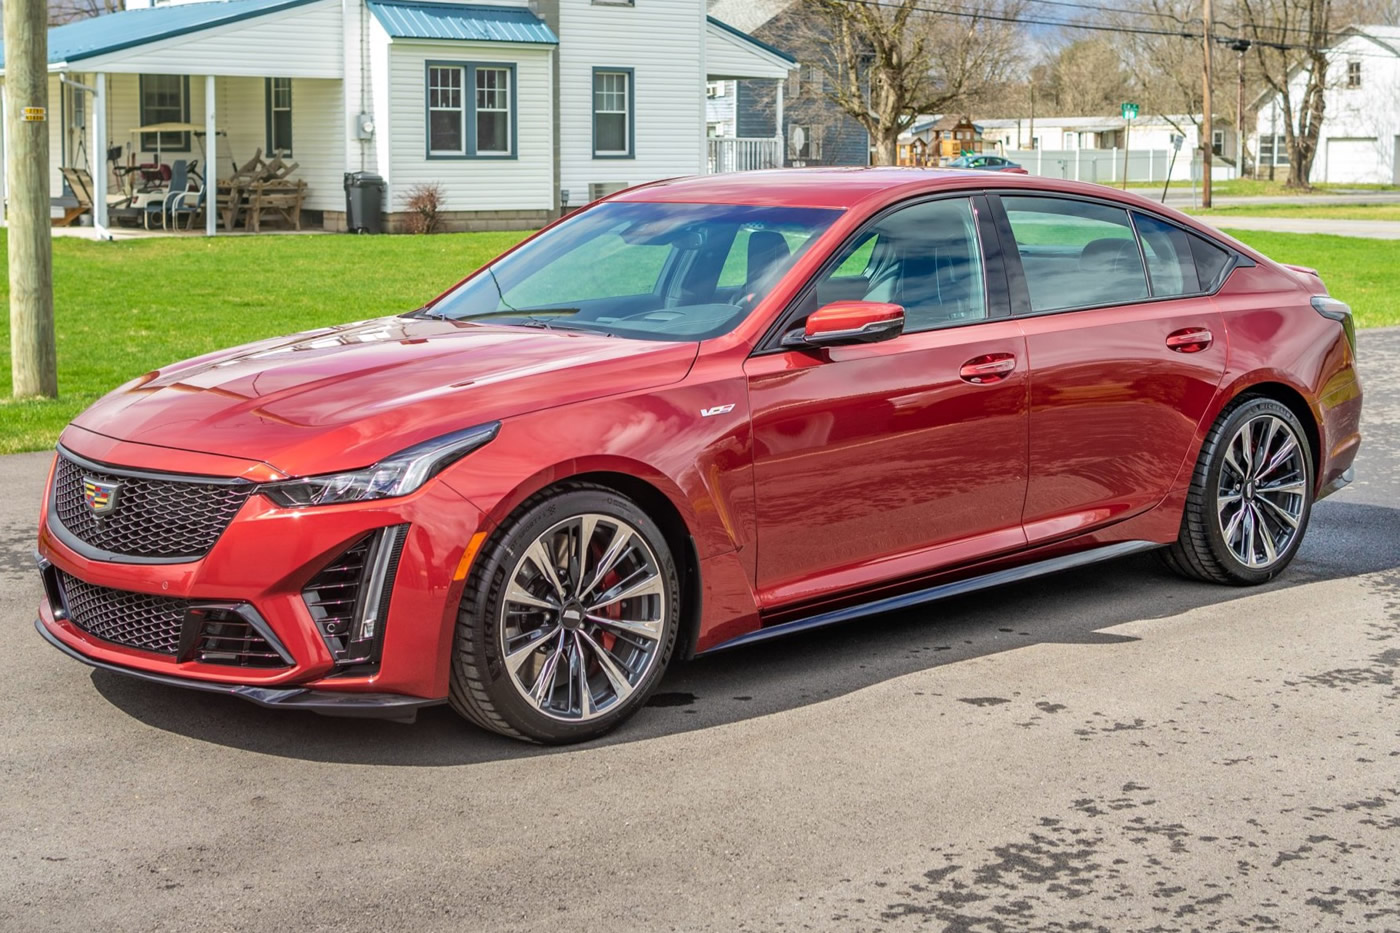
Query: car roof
column 846, row 187
column 873, row 187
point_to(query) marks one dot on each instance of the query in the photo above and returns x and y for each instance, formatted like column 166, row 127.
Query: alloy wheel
column 1262, row 491
column 582, row 617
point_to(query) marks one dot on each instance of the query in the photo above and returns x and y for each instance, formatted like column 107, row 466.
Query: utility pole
column 1205, row 106
column 1241, row 46
column 33, row 359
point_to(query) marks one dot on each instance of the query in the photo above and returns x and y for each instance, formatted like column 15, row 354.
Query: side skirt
column 942, row 591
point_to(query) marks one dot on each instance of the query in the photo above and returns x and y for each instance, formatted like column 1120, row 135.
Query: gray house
column 815, row 131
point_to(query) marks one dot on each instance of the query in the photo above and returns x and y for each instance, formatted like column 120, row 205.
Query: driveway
column 1108, row 750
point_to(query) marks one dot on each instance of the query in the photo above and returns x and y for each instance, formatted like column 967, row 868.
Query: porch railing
column 741, row 154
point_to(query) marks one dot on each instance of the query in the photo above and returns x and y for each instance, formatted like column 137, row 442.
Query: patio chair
column 178, row 203
column 81, row 182
column 179, row 185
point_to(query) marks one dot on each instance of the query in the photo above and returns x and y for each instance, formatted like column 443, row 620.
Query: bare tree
column 1290, row 42
column 887, row 61
column 67, row 11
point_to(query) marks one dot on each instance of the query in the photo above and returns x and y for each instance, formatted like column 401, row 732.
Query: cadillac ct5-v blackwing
column 693, row 415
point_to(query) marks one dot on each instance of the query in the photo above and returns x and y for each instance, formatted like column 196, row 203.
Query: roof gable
column 113, row 32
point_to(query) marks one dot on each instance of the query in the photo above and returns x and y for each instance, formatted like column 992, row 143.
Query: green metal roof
column 102, row 35
column 405, row 19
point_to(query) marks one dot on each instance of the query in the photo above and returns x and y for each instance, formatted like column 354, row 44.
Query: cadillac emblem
column 100, row 497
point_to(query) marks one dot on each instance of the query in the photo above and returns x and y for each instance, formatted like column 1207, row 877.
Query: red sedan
column 694, row 415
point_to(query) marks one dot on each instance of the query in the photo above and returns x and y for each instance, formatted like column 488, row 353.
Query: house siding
column 302, row 42
column 844, row 141
column 666, row 55
column 522, row 183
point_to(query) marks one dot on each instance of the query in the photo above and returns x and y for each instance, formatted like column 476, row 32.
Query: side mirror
column 846, row 322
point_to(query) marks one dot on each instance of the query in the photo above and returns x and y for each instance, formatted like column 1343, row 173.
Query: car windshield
column 653, row 271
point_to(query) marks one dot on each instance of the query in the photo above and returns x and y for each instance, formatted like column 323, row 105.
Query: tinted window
column 1211, row 262
column 1178, row 262
column 1076, row 254
column 655, row 271
column 925, row 258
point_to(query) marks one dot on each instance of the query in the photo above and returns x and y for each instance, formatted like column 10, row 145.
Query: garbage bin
column 364, row 198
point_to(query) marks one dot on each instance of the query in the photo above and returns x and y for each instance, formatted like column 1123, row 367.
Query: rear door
column 1125, row 353
column 881, row 461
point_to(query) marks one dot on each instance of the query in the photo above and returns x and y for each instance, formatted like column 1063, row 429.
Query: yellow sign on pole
column 35, row 114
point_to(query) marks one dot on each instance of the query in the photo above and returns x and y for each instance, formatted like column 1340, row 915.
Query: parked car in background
column 698, row 414
column 989, row 163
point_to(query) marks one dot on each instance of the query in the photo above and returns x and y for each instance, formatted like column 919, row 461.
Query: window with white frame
column 493, row 111
column 1353, row 74
column 612, row 113
column 1217, row 142
column 471, row 110
column 1273, row 150
column 279, row 116
column 447, row 132
column 714, row 89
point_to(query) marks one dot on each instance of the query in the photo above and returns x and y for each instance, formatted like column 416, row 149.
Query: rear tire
column 568, row 620
column 1250, row 499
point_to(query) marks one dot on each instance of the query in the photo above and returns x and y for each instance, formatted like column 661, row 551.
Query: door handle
column 988, row 368
column 1190, row 340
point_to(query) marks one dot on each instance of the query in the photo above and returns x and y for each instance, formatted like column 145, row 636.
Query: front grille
column 227, row 638
column 137, row 620
column 162, row 519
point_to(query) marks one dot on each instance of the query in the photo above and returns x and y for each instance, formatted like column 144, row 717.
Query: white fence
column 1106, row 166
column 741, row 154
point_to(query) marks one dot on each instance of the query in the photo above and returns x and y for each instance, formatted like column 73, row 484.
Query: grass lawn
column 128, row 307
column 1262, row 187
column 1306, row 211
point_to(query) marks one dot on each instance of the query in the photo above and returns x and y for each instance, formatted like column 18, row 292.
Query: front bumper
column 326, row 702
column 262, row 561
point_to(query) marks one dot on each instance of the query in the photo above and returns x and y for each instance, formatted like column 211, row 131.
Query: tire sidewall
column 480, row 614
column 1216, row 464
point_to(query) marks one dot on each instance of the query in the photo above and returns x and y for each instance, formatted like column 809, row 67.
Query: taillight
column 1330, row 307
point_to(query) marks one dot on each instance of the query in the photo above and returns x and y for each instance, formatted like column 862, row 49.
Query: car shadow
column 1345, row 539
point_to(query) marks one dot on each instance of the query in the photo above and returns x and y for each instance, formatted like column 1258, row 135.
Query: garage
column 1355, row 159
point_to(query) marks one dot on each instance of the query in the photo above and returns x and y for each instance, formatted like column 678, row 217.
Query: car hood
column 345, row 397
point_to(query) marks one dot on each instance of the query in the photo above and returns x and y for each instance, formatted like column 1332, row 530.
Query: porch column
column 211, row 161
column 778, row 128
column 99, row 155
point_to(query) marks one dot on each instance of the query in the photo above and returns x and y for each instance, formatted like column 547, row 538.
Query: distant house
column 938, row 140
column 513, row 108
column 816, row 131
column 1360, row 138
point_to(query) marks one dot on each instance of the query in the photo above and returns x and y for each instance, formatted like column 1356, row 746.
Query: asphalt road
column 1107, row 750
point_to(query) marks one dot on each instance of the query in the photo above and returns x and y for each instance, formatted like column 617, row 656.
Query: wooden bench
column 81, row 182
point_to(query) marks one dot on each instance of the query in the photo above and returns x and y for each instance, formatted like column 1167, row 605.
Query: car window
column 1178, row 262
column 736, row 271
column 1076, row 254
column 598, row 268
column 925, row 258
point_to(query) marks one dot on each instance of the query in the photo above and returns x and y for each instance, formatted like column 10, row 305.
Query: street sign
column 1177, row 140
column 1130, row 111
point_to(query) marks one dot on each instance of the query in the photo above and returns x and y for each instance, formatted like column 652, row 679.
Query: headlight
column 397, row 475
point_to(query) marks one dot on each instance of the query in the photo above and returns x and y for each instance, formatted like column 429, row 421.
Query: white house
column 1360, row 138
column 513, row 108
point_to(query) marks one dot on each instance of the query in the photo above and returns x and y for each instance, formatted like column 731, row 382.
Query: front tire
column 1250, row 499
column 568, row 620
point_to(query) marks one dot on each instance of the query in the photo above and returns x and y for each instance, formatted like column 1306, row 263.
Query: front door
column 883, row 461
column 1124, row 358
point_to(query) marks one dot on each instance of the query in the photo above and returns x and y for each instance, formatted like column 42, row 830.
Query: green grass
column 1306, row 211
column 125, row 308
column 129, row 307
column 1262, row 187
